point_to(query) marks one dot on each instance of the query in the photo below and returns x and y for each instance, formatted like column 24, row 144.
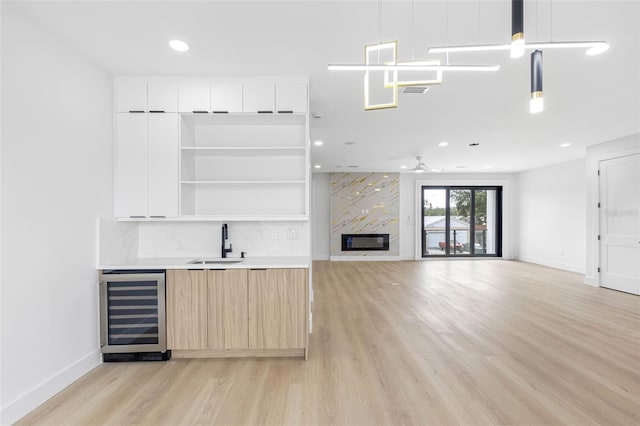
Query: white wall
column 623, row 146
column 552, row 217
column 56, row 179
column 321, row 216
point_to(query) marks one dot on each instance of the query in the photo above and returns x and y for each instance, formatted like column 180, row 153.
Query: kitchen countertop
column 182, row 263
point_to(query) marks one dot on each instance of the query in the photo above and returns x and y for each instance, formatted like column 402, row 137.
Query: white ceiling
column 588, row 100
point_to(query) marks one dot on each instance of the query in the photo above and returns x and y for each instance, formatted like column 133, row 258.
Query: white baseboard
column 27, row 402
column 588, row 280
column 365, row 258
column 320, row 257
column 553, row 264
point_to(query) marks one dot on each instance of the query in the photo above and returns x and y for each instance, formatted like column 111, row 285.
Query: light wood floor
column 457, row 342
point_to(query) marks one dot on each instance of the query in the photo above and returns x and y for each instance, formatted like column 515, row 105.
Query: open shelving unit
column 240, row 166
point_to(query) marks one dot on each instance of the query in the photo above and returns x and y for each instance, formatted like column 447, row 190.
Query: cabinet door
column 277, row 308
column 291, row 97
column 259, row 97
column 131, row 165
column 131, row 97
column 194, row 97
column 186, row 304
column 228, row 327
column 163, row 164
column 226, row 97
column 163, row 97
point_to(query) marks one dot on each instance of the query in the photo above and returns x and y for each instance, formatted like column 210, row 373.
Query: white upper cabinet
column 163, row 164
column 226, row 97
column 131, row 165
column 291, row 97
column 131, row 97
column 194, row 97
column 259, row 97
column 162, row 97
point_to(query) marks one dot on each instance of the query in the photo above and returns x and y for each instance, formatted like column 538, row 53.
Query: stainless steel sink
column 214, row 261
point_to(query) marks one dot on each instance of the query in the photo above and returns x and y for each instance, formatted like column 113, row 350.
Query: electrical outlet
column 274, row 234
column 165, row 236
column 292, row 234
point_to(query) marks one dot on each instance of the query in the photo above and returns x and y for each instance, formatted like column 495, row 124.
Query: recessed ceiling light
column 443, row 144
column 385, row 176
column 317, row 166
column 403, row 167
column 350, row 143
column 488, row 167
column 179, row 45
column 376, row 189
column 474, row 144
column 564, row 145
column 437, row 170
column 318, row 143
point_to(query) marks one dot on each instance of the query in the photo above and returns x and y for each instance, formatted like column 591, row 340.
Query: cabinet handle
column 285, row 112
column 155, row 111
column 220, row 112
column 265, row 112
column 200, row 112
column 136, row 112
column 258, row 269
column 137, row 217
column 157, row 217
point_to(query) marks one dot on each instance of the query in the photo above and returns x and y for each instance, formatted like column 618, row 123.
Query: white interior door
column 620, row 224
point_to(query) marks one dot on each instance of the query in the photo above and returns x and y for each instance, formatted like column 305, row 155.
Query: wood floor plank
column 454, row 342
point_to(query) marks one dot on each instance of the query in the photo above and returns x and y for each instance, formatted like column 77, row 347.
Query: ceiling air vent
column 415, row 90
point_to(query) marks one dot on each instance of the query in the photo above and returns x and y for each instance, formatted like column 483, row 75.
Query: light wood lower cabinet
column 186, row 309
column 227, row 312
column 207, row 309
column 277, row 309
column 237, row 312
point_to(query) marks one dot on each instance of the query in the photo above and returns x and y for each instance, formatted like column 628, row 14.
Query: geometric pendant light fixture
column 536, row 103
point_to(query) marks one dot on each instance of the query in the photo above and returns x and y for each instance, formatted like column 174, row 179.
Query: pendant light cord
column 413, row 32
column 446, row 20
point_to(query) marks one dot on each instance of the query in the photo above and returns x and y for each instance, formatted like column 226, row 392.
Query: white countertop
column 182, row 263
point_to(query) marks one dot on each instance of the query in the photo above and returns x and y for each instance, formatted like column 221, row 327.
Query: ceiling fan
column 421, row 167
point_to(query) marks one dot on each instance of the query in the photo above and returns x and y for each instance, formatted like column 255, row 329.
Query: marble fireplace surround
column 365, row 203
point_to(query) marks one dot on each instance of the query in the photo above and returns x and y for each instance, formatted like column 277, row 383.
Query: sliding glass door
column 461, row 221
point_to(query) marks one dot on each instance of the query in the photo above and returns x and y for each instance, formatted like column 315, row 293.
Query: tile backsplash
column 128, row 240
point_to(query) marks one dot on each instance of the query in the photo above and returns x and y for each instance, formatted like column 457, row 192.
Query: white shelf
column 245, row 151
column 242, row 182
column 220, row 218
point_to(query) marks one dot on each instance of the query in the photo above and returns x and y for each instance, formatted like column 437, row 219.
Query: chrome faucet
column 225, row 240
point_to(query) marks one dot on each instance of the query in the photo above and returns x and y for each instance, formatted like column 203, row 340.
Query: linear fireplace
column 365, row 242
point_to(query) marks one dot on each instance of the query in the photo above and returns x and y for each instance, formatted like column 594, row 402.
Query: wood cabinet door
column 259, row 97
column 163, row 97
column 163, row 164
column 131, row 165
column 131, row 97
column 291, row 97
column 226, row 97
column 227, row 313
column 277, row 308
column 194, row 97
column 186, row 306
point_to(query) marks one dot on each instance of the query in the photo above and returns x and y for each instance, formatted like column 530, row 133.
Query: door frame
column 598, row 216
column 609, row 152
column 457, row 181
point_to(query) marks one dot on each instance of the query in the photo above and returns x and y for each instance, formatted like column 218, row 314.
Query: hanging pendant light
column 536, row 104
column 517, row 28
